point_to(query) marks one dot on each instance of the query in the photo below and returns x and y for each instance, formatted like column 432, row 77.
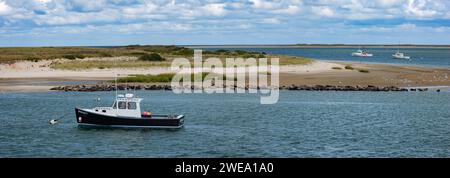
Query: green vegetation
column 44, row 53
column 148, row 56
column 163, row 78
column 147, row 78
column 151, row 57
column 289, row 60
column 363, row 71
column 349, row 67
column 74, row 56
column 337, row 68
column 101, row 64
column 236, row 53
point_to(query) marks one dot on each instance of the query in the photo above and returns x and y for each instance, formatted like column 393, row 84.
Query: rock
column 106, row 87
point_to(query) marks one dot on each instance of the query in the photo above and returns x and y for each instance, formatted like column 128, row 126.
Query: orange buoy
column 147, row 113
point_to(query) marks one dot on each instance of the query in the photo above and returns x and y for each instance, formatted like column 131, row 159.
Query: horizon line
column 244, row 45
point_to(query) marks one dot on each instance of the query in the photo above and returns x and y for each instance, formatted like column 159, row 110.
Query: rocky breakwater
column 342, row 88
column 110, row 87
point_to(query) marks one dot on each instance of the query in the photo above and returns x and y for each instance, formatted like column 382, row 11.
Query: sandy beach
column 26, row 76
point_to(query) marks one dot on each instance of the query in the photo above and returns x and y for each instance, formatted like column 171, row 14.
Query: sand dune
column 17, row 76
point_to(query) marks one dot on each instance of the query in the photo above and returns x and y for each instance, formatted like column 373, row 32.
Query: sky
column 215, row 22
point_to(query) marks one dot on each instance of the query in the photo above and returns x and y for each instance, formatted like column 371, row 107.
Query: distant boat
column 399, row 55
column 361, row 53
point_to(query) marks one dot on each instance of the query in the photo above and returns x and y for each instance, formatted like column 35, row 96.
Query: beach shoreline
column 26, row 76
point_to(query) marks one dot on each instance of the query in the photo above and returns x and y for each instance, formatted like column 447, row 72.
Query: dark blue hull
column 85, row 118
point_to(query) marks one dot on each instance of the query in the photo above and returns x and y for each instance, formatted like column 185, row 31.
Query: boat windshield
column 132, row 105
column 122, row 105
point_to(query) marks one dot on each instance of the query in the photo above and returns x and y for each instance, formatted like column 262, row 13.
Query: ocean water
column 301, row 124
column 433, row 57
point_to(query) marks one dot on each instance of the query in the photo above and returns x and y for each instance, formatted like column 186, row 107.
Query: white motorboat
column 361, row 53
column 399, row 55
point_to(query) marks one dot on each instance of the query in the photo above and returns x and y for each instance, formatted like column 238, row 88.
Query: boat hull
column 362, row 55
column 90, row 119
column 405, row 57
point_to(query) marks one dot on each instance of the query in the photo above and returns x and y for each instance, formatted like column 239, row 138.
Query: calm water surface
column 422, row 57
column 302, row 124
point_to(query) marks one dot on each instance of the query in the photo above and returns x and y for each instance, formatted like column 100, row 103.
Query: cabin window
column 115, row 105
column 131, row 105
column 122, row 105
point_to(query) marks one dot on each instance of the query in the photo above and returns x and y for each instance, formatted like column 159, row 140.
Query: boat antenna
column 115, row 83
column 134, row 89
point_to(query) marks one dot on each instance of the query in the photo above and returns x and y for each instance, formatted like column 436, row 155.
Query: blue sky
column 124, row 22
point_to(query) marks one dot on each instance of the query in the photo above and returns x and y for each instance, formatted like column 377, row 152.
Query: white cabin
column 125, row 106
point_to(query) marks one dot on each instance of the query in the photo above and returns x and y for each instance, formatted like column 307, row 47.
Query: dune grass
column 349, row 67
column 363, row 71
column 147, row 78
column 137, row 51
column 101, row 64
column 160, row 78
column 45, row 53
column 291, row 60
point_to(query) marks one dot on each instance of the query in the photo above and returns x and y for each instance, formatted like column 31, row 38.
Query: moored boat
column 361, row 53
column 126, row 113
column 399, row 55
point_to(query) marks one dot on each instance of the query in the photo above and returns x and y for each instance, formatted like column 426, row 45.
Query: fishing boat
column 361, row 53
column 399, row 55
column 126, row 113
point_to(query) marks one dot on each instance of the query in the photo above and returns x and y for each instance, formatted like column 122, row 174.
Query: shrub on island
column 363, row 71
column 74, row 56
column 151, row 57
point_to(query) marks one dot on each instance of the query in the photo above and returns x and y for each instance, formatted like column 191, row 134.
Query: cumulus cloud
column 420, row 8
column 407, row 26
column 4, row 8
column 291, row 9
column 86, row 5
column 261, row 4
column 323, row 11
column 271, row 21
column 216, row 9
column 139, row 16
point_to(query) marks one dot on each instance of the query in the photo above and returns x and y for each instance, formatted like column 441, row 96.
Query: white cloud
column 216, row 9
column 42, row 1
column 442, row 29
column 4, row 8
column 86, row 5
column 271, row 21
column 140, row 10
column 407, row 26
column 389, row 3
column 291, row 9
column 323, row 11
column 139, row 16
column 262, row 4
column 236, row 5
column 420, row 8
